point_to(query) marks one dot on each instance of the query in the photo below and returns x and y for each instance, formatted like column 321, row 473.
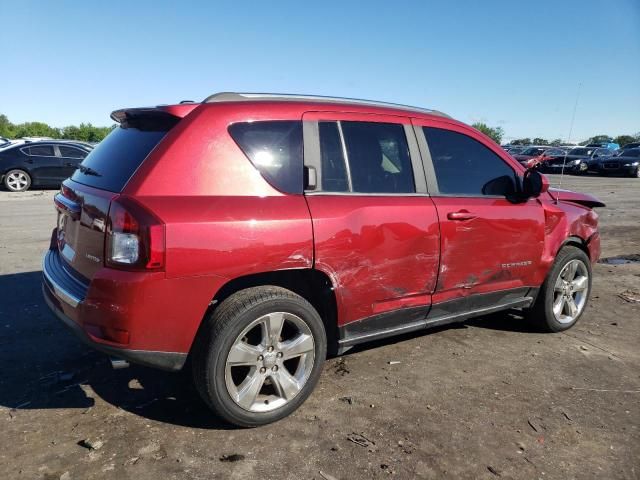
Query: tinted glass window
column 334, row 171
column 378, row 156
column 71, row 152
column 275, row 149
column 41, row 150
column 464, row 166
column 111, row 164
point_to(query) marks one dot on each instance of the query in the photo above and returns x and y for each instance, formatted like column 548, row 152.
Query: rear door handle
column 461, row 215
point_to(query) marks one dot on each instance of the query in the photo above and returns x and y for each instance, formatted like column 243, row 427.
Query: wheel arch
column 574, row 241
column 311, row 284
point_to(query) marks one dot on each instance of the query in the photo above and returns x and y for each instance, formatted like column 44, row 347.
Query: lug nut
column 279, row 355
column 274, row 368
column 262, row 370
column 270, row 349
column 260, row 358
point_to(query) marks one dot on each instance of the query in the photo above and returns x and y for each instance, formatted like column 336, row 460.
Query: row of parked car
column 39, row 162
column 601, row 158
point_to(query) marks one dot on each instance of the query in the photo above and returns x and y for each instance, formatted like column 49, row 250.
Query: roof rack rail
column 245, row 97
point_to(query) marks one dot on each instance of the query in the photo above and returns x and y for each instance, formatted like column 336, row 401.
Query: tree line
column 497, row 134
column 84, row 132
column 90, row 133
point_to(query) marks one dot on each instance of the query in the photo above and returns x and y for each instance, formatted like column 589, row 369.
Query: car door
column 491, row 243
column 43, row 163
column 70, row 158
column 376, row 231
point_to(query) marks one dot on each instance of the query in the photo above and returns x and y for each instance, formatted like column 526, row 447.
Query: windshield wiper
column 88, row 171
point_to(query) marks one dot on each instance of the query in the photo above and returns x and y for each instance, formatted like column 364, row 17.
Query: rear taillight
column 135, row 237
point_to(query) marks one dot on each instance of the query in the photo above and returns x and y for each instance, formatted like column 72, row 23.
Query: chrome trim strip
column 60, row 292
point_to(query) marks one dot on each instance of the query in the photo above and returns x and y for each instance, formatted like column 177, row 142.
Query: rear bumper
column 67, row 298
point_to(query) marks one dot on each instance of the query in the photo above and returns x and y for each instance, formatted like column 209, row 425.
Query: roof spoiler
column 176, row 111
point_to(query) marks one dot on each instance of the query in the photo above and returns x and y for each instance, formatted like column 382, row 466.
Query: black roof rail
column 247, row 97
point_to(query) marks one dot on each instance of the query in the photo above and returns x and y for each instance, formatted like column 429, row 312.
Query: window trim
column 312, row 155
column 430, row 170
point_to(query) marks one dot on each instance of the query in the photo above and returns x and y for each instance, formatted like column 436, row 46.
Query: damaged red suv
column 254, row 233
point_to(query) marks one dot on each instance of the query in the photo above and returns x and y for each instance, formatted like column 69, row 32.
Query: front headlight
column 630, row 164
column 576, row 162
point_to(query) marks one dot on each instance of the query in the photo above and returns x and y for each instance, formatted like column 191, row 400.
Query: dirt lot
column 486, row 399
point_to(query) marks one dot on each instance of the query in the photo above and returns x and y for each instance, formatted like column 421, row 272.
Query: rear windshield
column 114, row 160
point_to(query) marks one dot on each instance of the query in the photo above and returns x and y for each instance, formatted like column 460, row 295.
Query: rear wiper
column 88, row 171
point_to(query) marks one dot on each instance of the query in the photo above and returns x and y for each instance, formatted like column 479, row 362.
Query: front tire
column 259, row 355
column 17, row 180
column 565, row 292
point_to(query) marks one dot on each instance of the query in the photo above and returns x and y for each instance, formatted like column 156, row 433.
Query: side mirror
column 534, row 183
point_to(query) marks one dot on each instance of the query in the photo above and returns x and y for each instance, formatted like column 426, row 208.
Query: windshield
column 533, row 151
column 581, row 151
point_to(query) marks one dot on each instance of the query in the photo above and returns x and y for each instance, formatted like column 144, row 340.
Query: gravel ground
column 485, row 399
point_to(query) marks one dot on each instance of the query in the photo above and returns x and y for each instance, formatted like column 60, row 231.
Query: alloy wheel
column 17, row 181
column 270, row 362
column 571, row 291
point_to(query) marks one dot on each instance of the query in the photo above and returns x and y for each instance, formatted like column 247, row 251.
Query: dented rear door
column 376, row 231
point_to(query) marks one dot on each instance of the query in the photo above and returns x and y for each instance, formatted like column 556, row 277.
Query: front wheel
column 259, row 355
column 564, row 294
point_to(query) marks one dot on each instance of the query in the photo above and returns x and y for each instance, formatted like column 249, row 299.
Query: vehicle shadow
column 45, row 366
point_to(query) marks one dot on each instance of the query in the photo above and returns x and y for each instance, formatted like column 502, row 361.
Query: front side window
column 377, row 157
column 464, row 166
column 71, row 152
column 275, row 149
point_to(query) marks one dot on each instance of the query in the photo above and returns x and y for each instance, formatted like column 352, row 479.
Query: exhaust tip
column 118, row 363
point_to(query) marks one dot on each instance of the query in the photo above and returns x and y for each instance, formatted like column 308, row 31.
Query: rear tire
column 565, row 292
column 259, row 355
column 17, row 180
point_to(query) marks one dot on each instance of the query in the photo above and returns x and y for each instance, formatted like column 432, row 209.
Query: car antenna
column 564, row 161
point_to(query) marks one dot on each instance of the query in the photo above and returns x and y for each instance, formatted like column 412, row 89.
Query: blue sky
column 513, row 64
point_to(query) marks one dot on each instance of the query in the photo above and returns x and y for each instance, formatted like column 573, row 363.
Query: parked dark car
column 577, row 160
column 43, row 164
column 251, row 233
column 630, row 145
column 627, row 162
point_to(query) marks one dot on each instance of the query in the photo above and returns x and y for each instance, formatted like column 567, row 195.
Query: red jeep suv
column 254, row 233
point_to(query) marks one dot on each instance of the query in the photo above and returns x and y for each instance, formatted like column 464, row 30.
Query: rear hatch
column 84, row 200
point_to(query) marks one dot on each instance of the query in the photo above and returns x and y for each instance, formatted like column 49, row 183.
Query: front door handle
column 461, row 215
column 70, row 164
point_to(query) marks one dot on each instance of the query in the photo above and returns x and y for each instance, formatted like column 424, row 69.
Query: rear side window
column 40, row 151
column 334, row 170
column 464, row 166
column 115, row 159
column 275, row 149
column 377, row 160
